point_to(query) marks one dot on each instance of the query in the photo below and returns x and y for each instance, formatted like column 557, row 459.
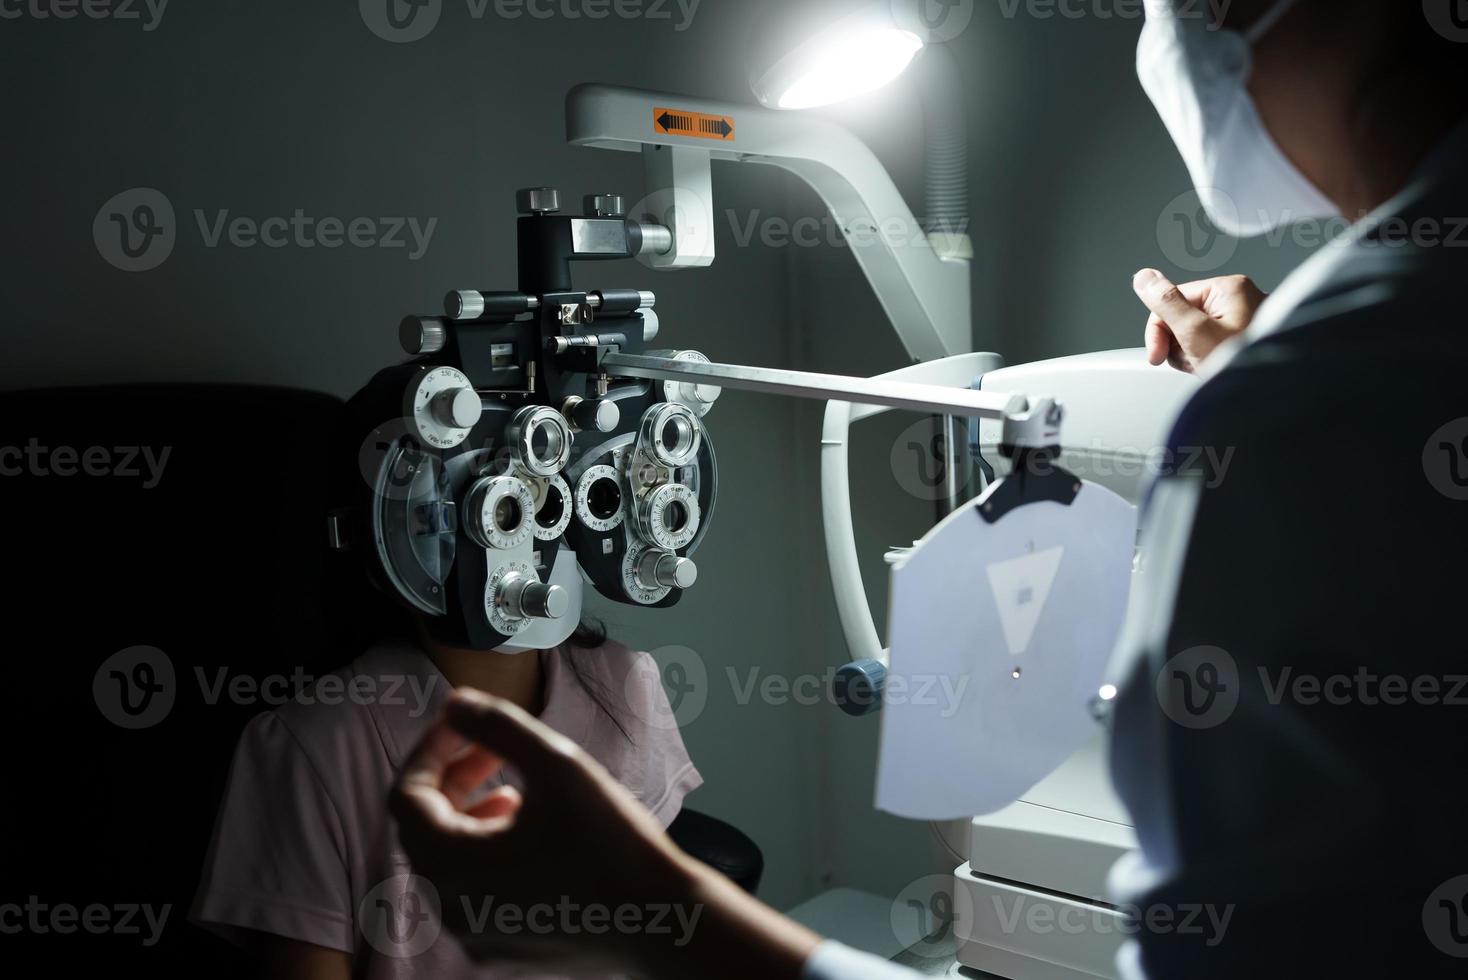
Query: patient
column 305, row 870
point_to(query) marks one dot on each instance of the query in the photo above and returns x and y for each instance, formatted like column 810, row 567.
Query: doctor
column 1290, row 740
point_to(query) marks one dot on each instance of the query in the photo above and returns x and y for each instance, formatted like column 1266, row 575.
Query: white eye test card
column 1000, row 638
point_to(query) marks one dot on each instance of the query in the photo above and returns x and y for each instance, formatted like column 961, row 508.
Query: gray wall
column 262, row 108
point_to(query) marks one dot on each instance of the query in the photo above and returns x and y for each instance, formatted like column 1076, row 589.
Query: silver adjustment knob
column 703, row 396
column 522, row 597
column 421, row 335
column 663, row 569
column 696, row 395
column 538, row 200
column 458, row 408
column 546, row 602
column 465, row 304
column 592, row 415
column 605, row 206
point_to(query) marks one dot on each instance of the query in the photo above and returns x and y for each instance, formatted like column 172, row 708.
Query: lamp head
column 834, row 59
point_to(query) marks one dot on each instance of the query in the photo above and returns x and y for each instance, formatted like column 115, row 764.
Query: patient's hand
column 1190, row 320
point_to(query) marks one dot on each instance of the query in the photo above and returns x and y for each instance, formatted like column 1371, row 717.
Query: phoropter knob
column 421, row 335
column 592, row 414
column 663, row 569
column 605, row 206
column 538, row 200
column 522, row 597
column 458, row 408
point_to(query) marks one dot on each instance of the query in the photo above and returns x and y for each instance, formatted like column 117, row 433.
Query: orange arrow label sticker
column 698, row 125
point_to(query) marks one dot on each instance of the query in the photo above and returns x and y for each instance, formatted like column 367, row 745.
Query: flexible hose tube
column 945, row 119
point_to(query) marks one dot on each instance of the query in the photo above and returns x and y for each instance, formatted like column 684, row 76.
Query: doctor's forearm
column 734, row 936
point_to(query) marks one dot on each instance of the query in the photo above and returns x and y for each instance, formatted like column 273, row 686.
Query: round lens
column 676, row 435
column 604, row 499
column 547, row 442
column 507, row 515
column 552, row 510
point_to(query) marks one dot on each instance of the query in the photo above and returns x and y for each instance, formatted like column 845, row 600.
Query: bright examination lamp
column 816, row 53
column 857, row 54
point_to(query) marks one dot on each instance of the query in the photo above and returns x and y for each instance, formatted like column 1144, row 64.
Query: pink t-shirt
column 304, row 847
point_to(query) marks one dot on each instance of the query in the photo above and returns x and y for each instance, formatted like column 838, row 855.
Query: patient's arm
column 289, row 959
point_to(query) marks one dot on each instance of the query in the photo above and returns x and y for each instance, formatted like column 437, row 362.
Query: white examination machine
column 1056, row 843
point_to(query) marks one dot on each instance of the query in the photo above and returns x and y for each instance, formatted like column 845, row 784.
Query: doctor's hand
column 575, row 873
column 1190, row 320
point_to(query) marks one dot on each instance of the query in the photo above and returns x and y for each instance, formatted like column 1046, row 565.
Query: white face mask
column 1196, row 76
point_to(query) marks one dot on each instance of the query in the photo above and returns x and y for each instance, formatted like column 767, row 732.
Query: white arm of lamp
column 922, row 287
column 923, row 284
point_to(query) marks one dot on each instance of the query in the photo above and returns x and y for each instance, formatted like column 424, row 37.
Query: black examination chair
column 209, row 554
column 214, row 555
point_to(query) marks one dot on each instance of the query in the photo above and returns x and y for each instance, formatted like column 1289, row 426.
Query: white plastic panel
column 1030, row 935
column 1119, row 411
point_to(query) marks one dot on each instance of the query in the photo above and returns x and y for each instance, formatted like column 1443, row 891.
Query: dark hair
column 590, row 637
